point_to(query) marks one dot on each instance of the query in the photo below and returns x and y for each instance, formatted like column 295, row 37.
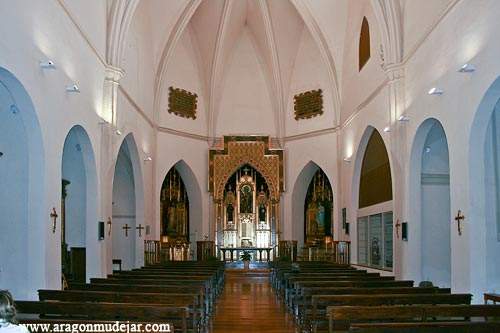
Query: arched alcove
column 430, row 195
column 364, row 44
column 128, row 230
column 190, row 193
column 23, row 229
column 372, row 197
column 80, row 248
column 484, row 168
column 303, row 187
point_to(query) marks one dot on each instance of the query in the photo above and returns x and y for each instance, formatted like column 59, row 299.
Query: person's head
column 7, row 308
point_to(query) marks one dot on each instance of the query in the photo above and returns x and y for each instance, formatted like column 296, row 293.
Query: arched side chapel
column 116, row 140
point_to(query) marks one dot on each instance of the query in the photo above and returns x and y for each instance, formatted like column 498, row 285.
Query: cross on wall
column 126, row 227
column 140, row 228
column 459, row 218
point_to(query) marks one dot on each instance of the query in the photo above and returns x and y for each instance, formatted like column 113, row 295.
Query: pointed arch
column 128, row 205
column 193, row 190
column 299, row 194
column 364, row 46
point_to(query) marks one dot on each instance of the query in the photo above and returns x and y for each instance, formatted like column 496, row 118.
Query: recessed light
column 467, row 68
column 48, row 64
column 73, row 88
column 435, row 91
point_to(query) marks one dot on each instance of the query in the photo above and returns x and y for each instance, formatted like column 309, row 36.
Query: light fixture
column 435, row 91
column 403, row 118
column 387, row 129
column 73, row 88
column 148, row 159
column 48, row 64
column 467, row 68
column 118, row 132
column 347, row 159
column 14, row 109
column 427, row 149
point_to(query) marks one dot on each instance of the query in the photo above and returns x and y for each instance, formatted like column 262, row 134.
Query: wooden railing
column 338, row 252
column 152, row 252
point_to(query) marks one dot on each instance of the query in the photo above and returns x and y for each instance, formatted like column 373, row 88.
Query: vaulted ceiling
column 278, row 30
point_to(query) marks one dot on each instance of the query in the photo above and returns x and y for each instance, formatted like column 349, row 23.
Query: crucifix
column 126, row 227
column 109, row 226
column 140, row 228
column 459, row 218
column 54, row 216
column 398, row 224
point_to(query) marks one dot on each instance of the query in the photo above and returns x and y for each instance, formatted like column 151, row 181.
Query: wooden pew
column 441, row 327
column 317, row 317
column 298, row 285
column 179, row 316
column 194, row 301
column 303, row 301
column 341, row 317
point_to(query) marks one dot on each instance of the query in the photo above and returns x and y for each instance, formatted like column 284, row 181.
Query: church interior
column 251, row 165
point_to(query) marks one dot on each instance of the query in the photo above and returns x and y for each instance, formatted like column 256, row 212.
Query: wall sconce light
column 427, row 149
column 48, row 64
column 467, row 68
column 387, row 129
column 436, row 91
column 403, row 118
column 347, row 159
column 118, row 132
column 73, row 88
column 148, row 159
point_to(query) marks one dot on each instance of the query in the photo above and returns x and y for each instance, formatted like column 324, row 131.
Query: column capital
column 114, row 74
column 394, row 71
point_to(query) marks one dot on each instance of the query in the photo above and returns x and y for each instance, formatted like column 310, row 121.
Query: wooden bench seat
column 432, row 327
column 341, row 317
column 317, row 316
column 304, row 300
column 180, row 316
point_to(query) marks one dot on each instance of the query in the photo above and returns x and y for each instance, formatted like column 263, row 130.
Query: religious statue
column 230, row 213
column 246, row 199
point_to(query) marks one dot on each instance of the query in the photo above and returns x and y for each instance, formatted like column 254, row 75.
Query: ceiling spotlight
column 49, row 64
column 73, row 88
column 403, row 118
column 14, row 109
column 467, row 68
column 435, row 91
column 387, row 129
column 118, row 132
column 148, row 159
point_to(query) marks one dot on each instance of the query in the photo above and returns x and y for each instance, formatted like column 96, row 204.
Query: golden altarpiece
column 174, row 217
column 246, row 182
column 318, row 208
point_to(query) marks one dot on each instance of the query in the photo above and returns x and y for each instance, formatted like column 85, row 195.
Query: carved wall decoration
column 182, row 103
column 241, row 150
column 308, row 104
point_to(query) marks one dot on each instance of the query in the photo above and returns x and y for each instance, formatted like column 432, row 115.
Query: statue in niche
column 246, row 199
column 230, row 213
column 172, row 223
column 320, row 219
column 262, row 213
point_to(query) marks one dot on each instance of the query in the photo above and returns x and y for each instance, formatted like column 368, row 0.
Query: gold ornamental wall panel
column 241, row 150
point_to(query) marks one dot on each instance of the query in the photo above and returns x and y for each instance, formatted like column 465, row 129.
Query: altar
column 258, row 253
column 246, row 181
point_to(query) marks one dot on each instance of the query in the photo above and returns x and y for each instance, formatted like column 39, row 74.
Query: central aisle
column 248, row 304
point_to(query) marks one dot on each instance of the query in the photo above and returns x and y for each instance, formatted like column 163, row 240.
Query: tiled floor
column 248, row 304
